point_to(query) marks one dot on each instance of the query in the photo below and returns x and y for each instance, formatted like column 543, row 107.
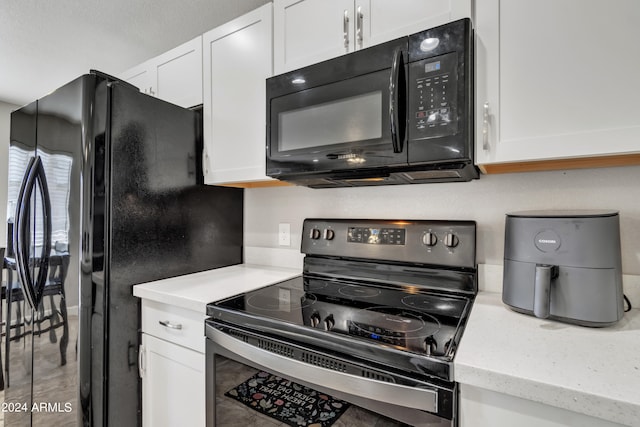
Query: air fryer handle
column 542, row 289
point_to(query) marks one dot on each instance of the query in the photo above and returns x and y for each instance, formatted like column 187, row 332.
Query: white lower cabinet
column 172, row 366
column 484, row 408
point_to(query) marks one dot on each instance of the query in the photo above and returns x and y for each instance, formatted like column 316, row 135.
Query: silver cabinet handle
column 170, row 325
column 485, row 126
column 345, row 28
column 359, row 30
column 141, row 361
column 205, row 161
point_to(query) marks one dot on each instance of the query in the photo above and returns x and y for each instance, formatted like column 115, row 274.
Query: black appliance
column 108, row 193
column 375, row 319
column 397, row 113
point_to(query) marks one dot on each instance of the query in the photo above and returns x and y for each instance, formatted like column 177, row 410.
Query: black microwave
column 396, row 113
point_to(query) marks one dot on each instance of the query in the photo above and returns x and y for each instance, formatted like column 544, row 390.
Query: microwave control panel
column 432, row 97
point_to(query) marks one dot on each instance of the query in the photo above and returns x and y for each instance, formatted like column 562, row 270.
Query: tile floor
column 60, row 386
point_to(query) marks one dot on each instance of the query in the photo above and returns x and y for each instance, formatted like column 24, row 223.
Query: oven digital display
column 376, row 236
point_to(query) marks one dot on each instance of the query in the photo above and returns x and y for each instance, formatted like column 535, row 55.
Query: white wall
column 5, row 118
column 485, row 200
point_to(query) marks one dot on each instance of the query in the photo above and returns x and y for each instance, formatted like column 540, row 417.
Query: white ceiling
column 46, row 43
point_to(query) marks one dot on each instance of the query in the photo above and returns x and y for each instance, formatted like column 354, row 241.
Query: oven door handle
column 421, row 398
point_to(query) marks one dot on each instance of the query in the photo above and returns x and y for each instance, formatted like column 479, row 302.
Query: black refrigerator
column 105, row 192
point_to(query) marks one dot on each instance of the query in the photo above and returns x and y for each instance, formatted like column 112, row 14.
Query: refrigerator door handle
column 33, row 290
column 21, row 234
column 43, row 271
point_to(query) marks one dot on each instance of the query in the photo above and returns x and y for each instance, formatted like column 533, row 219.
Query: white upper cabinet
column 237, row 61
column 310, row 31
column 556, row 80
column 141, row 77
column 174, row 76
column 179, row 74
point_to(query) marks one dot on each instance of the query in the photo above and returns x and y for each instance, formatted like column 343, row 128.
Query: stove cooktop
column 403, row 318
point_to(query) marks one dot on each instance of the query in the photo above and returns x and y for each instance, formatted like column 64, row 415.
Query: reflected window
column 58, row 171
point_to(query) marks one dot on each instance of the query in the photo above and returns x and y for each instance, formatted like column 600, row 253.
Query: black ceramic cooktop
column 404, row 317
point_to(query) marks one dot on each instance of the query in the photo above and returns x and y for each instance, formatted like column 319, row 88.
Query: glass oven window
column 335, row 118
column 352, row 119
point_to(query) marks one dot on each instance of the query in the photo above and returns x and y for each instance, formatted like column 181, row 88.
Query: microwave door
column 351, row 124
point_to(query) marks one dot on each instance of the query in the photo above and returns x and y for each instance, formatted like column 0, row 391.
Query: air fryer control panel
column 432, row 105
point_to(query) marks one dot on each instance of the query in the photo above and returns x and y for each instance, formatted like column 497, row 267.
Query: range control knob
column 329, row 322
column 430, row 345
column 314, row 234
column 451, row 240
column 329, row 234
column 315, row 319
column 429, row 239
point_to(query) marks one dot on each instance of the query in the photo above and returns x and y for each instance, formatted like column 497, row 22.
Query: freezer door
column 18, row 328
column 64, row 123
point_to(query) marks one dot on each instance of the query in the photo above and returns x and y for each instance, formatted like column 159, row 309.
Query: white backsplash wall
column 485, row 201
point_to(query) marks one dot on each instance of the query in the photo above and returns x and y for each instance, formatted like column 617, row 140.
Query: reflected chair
column 55, row 316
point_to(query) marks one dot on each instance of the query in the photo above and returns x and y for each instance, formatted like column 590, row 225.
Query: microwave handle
column 396, row 102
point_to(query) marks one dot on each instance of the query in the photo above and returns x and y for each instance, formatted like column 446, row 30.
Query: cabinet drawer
column 174, row 324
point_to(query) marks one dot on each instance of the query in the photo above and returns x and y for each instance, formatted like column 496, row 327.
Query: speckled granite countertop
column 594, row 371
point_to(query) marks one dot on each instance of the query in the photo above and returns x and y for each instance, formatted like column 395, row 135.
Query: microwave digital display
column 432, row 66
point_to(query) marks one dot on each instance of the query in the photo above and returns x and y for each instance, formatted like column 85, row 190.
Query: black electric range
column 382, row 300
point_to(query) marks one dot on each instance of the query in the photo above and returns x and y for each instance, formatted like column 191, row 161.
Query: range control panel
column 448, row 243
column 376, row 236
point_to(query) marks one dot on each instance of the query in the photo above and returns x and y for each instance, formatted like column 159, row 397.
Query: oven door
column 339, row 115
column 373, row 392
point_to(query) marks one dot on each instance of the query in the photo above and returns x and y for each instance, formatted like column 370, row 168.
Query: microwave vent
column 431, row 175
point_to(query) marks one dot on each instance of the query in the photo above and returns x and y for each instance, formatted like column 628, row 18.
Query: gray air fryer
column 564, row 265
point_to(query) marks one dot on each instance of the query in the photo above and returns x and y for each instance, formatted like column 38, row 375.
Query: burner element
column 281, row 302
column 421, row 302
column 315, row 285
column 353, row 291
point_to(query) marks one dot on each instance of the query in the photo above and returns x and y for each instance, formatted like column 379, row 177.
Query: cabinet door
column 141, row 76
column 386, row 20
column 179, row 74
column 173, row 384
column 310, row 31
column 485, row 408
column 237, row 60
column 559, row 79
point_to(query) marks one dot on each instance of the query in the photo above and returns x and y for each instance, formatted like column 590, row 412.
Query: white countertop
column 195, row 291
column 594, row 371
